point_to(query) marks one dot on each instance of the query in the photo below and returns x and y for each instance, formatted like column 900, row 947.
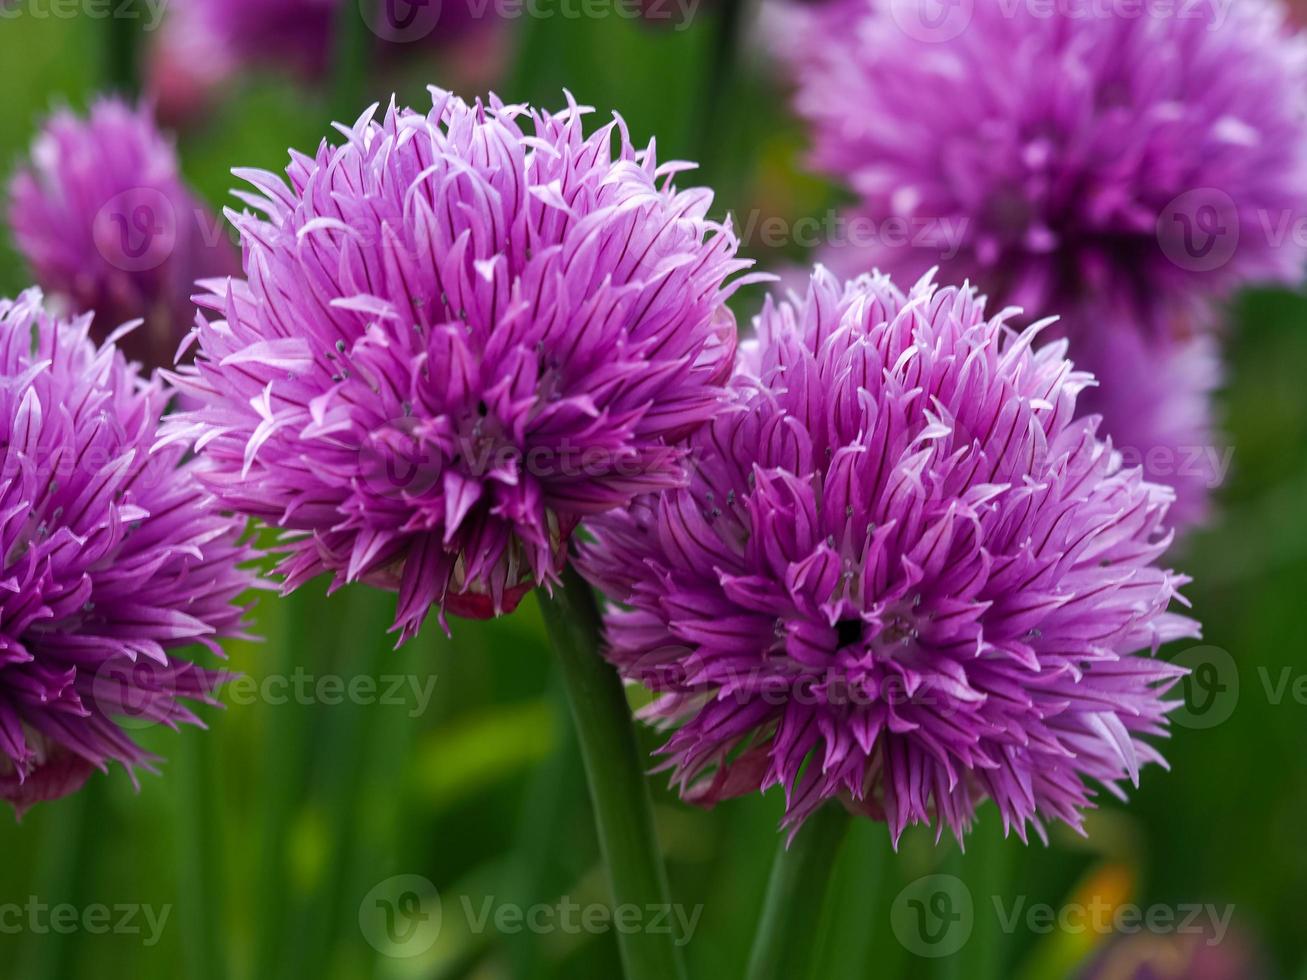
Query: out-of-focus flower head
column 1141, row 156
column 108, row 227
column 1119, row 169
column 295, row 35
column 113, row 560
column 205, row 42
column 1155, row 394
column 1213, row 952
column 904, row 575
column 457, row 338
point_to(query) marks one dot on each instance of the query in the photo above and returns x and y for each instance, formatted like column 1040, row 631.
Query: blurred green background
column 264, row 837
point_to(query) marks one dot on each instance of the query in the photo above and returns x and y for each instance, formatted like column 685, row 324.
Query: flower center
column 850, row 632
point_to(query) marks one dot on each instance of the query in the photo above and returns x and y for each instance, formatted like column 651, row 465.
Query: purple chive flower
column 456, row 340
column 904, row 574
column 109, row 227
column 1141, row 164
column 113, row 560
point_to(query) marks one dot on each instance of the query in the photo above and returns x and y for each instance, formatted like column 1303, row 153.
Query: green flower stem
column 339, row 764
column 985, row 867
column 352, row 64
column 717, row 105
column 553, row 803
column 800, row 877
column 67, row 864
column 618, row 792
column 200, row 856
column 297, row 628
column 122, row 48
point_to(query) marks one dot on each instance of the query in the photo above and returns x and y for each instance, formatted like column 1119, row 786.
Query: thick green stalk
column 200, row 856
column 352, row 64
column 717, row 106
column 854, row 936
column 956, row 966
column 800, row 878
column 552, row 804
column 122, row 48
column 986, row 869
column 65, row 872
column 339, row 763
column 618, row 791
column 298, row 627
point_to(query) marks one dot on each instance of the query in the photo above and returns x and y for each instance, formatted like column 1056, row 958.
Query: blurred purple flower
column 904, row 574
column 113, row 560
column 1197, row 955
column 300, row 35
column 290, row 34
column 1157, row 393
column 455, row 341
column 1071, row 160
column 108, row 226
